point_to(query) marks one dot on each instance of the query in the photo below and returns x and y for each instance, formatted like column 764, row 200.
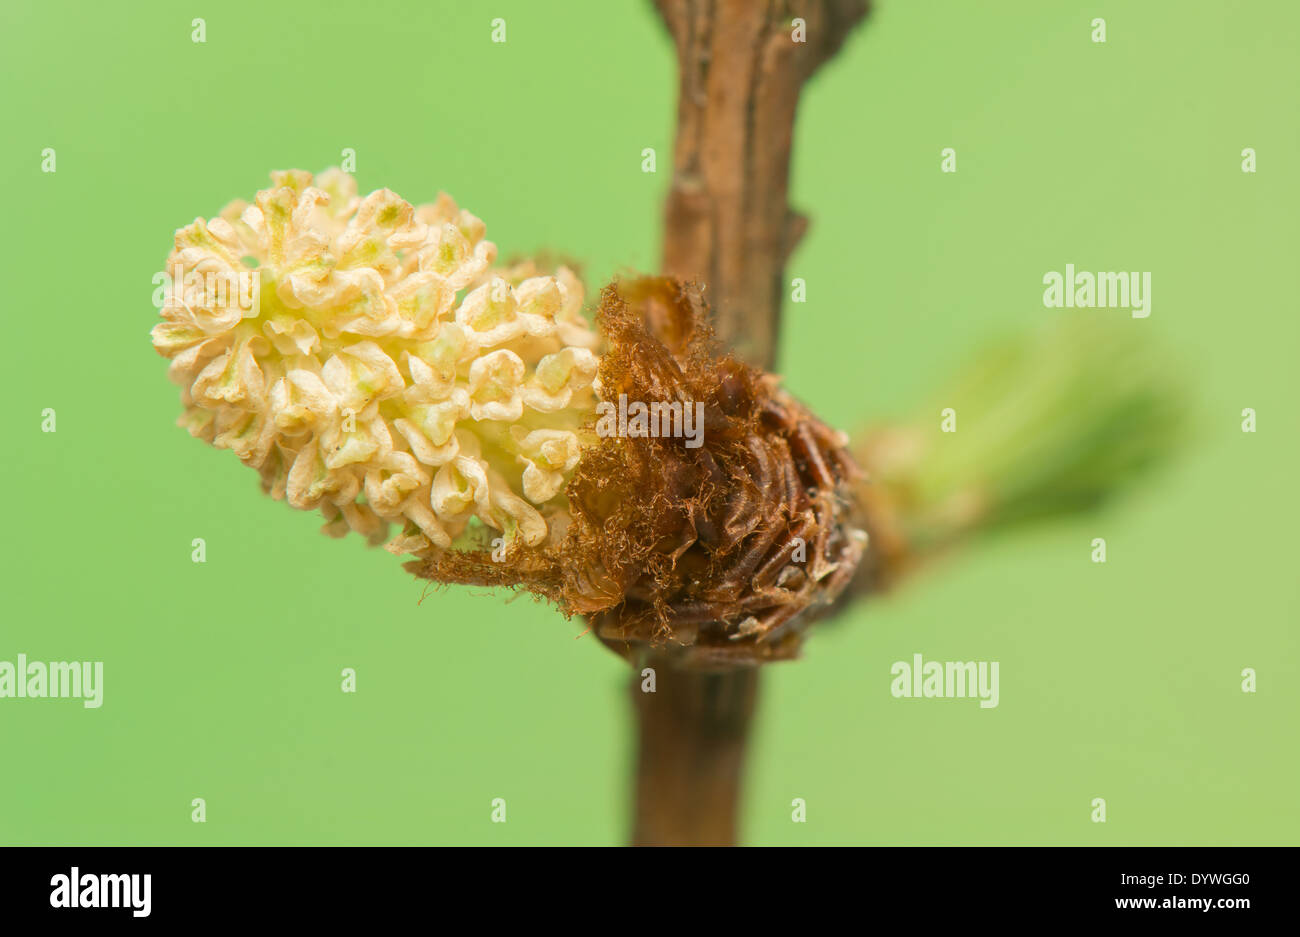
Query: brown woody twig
column 728, row 226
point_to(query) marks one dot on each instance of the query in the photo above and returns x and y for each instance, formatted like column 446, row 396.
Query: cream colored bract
column 384, row 370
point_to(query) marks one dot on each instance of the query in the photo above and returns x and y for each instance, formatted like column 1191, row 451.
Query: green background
column 222, row 680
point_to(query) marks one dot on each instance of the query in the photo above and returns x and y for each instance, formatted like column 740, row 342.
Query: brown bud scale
column 725, row 550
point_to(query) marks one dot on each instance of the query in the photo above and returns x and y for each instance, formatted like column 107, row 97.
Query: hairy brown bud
column 722, row 543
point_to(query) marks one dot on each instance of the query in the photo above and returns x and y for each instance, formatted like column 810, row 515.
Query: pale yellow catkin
column 367, row 359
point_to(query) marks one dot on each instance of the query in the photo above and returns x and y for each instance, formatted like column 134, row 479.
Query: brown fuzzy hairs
column 724, row 551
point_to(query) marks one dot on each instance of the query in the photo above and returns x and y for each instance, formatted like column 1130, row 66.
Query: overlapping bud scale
column 386, row 371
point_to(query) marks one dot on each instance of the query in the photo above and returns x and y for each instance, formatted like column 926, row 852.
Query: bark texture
column 693, row 734
column 729, row 227
column 742, row 64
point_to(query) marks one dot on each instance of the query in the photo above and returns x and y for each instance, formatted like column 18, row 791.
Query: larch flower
column 368, row 360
